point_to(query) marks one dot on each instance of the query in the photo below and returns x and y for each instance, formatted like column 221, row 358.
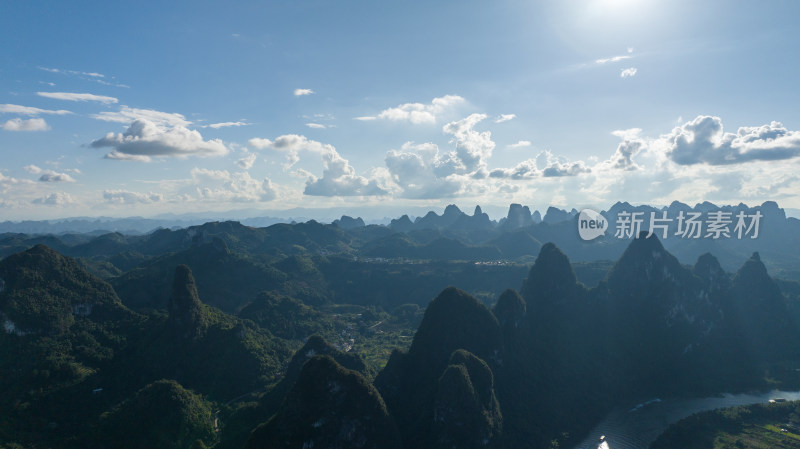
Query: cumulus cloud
column 5, row 181
column 145, row 139
column 473, row 148
column 224, row 186
column 292, row 145
column 505, row 117
column 627, row 73
column 128, row 197
column 631, row 145
column 418, row 113
column 70, row 96
column 129, row 115
column 546, row 164
column 704, row 141
column 32, row 169
column 54, row 199
column 247, row 161
column 53, row 176
column 526, row 169
column 302, row 92
column 520, row 144
column 339, row 179
column 18, row 124
column 557, row 169
column 421, row 172
column 27, row 110
column 227, row 124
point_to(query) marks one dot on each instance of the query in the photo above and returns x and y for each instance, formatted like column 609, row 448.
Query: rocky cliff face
column 187, row 315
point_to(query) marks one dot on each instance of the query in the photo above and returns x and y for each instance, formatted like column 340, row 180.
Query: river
column 637, row 426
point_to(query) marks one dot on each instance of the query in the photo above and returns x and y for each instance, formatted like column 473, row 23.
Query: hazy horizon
column 370, row 215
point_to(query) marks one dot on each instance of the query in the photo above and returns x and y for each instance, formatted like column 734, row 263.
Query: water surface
column 638, row 425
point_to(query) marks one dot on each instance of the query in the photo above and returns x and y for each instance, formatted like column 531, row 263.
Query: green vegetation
column 329, row 406
column 162, row 415
column 238, row 317
column 768, row 426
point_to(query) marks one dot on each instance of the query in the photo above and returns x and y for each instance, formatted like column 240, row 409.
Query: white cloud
column 505, row 117
column 128, row 197
column 5, row 181
column 473, row 148
column 106, row 83
column 224, row 186
column 292, row 145
column 259, row 143
column 73, row 72
column 520, row 144
column 627, row 73
column 116, row 155
column 316, row 125
column 613, row 59
column 18, row 124
column 90, row 76
column 339, row 179
column 54, row 199
column 420, row 172
column 247, row 161
column 207, row 173
column 418, row 113
column 69, row 96
column 53, row 176
column 129, row 115
column 227, row 124
column 526, row 169
column 301, row 92
column 703, row 141
column 27, row 110
column 546, row 165
column 366, row 118
column 558, row 169
column 145, row 139
column 32, row 169
column 631, row 145
column 423, row 172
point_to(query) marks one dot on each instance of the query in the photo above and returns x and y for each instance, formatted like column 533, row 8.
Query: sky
column 148, row 108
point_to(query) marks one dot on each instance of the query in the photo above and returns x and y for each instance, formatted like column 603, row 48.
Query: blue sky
column 145, row 108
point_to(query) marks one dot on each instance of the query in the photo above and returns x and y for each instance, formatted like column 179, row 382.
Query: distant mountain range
column 451, row 235
column 251, row 217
